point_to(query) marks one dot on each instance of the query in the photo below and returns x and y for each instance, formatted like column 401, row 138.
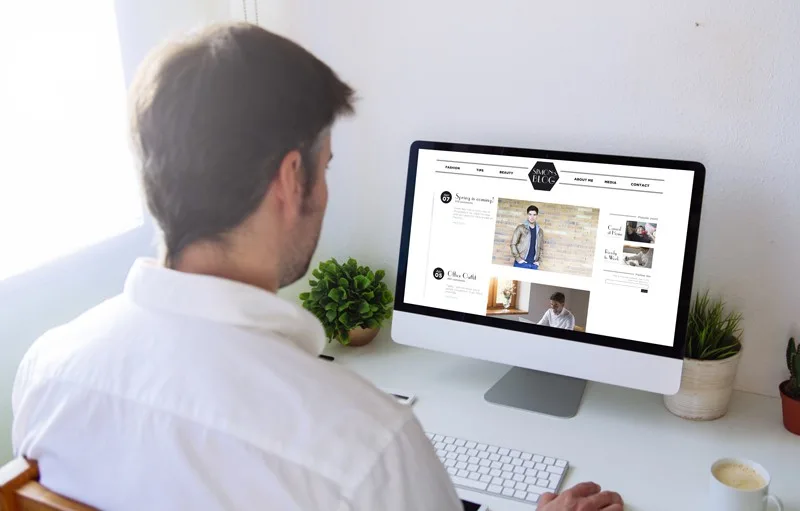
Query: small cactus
column 793, row 362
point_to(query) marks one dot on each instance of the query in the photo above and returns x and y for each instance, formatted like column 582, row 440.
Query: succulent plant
column 347, row 296
column 713, row 333
column 792, row 387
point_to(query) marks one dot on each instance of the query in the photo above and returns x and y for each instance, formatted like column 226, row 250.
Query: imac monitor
column 567, row 266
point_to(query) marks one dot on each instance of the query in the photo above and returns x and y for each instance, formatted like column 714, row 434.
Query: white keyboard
column 499, row 471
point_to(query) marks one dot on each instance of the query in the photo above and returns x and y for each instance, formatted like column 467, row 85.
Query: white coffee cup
column 740, row 485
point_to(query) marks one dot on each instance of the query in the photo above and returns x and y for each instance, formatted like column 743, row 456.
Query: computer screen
column 592, row 248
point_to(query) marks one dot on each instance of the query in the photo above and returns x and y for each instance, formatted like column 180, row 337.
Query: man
column 642, row 235
column 643, row 257
column 197, row 387
column 526, row 241
column 557, row 315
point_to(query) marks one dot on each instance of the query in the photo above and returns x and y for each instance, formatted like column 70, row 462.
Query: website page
column 566, row 244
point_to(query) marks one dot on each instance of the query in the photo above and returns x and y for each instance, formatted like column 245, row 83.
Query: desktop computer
column 567, row 266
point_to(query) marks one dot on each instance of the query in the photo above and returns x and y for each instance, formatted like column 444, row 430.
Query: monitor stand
column 537, row 391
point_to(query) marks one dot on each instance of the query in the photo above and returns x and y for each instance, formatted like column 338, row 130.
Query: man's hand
column 582, row 497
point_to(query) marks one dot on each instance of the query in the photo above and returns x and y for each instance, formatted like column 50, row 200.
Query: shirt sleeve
column 545, row 319
column 571, row 322
column 406, row 475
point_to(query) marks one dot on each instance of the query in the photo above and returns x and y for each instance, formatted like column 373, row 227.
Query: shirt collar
column 153, row 286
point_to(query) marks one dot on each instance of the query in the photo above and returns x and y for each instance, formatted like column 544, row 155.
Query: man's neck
column 230, row 264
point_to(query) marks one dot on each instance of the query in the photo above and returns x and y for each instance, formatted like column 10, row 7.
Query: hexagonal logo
column 543, row 176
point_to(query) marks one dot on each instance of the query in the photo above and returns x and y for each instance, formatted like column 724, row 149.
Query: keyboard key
column 503, row 451
column 555, row 470
column 555, row 477
column 474, row 476
column 543, row 475
column 537, row 489
column 506, row 475
column 469, row 483
column 526, row 456
column 521, row 486
column 471, row 445
column 449, row 463
column 498, row 481
column 481, row 447
column 538, row 459
column 561, row 463
column 460, row 442
column 450, row 448
column 492, row 449
column 439, row 445
column 514, row 454
column 462, row 457
column 485, row 470
column 462, row 473
column 483, row 455
column 461, row 465
column 472, row 452
column 496, row 464
column 485, row 478
column 541, row 482
column 532, row 497
column 518, row 478
column 495, row 488
column 508, row 467
column 520, row 495
column 474, row 459
column 519, row 470
column 461, row 450
column 448, row 440
column 452, row 471
column 530, row 480
column 541, row 466
column 508, row 483
column 485, row 463
column 532, row 472
column 528, row 464
column 552, row 485
column 549, row 461
column 438, row 438
column 494, row 457
column 441, row 453
column 505, row 459
column 451, row 456
column 472, row 467
column 518, row 462
column 495, row 473
column 508, row 492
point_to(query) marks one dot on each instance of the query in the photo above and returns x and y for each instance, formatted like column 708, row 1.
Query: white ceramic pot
column 706, row 387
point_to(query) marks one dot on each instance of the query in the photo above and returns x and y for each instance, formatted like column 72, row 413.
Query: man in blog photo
column 526, row 242
column 557, row 315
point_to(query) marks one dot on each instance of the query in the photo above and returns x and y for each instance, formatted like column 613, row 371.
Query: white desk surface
column 622, row 439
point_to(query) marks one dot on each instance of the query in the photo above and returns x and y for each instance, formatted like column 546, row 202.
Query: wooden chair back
column 20, row 490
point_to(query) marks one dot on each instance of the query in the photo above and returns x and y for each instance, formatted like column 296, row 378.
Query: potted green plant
column 790, row 389
column 351, row 301
column 711, row 358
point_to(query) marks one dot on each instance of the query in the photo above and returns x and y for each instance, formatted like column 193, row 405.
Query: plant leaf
column 305, row 296
column 331, row 315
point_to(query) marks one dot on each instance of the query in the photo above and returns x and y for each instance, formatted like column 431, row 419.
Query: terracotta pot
column 362, row 336
column 791, row 411
column 706, row 388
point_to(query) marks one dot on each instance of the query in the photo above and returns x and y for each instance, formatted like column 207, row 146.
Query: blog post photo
column 640, row 232
column 542, row 236
column 636, row 255
column 526, row 302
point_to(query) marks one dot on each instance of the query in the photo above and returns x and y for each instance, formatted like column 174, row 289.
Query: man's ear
column 289, row 182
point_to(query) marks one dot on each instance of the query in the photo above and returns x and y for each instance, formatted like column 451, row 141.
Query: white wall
column 41, row 299
column 712, row 80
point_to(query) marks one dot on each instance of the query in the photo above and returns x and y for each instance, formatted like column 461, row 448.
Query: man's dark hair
column 214, row 115
column 532, row 208
column 559, row 297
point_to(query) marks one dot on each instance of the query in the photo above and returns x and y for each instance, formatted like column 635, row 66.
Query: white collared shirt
column 195, row 392
column 563, row 320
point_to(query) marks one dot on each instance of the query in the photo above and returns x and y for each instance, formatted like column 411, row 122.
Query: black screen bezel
column 682, row 313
